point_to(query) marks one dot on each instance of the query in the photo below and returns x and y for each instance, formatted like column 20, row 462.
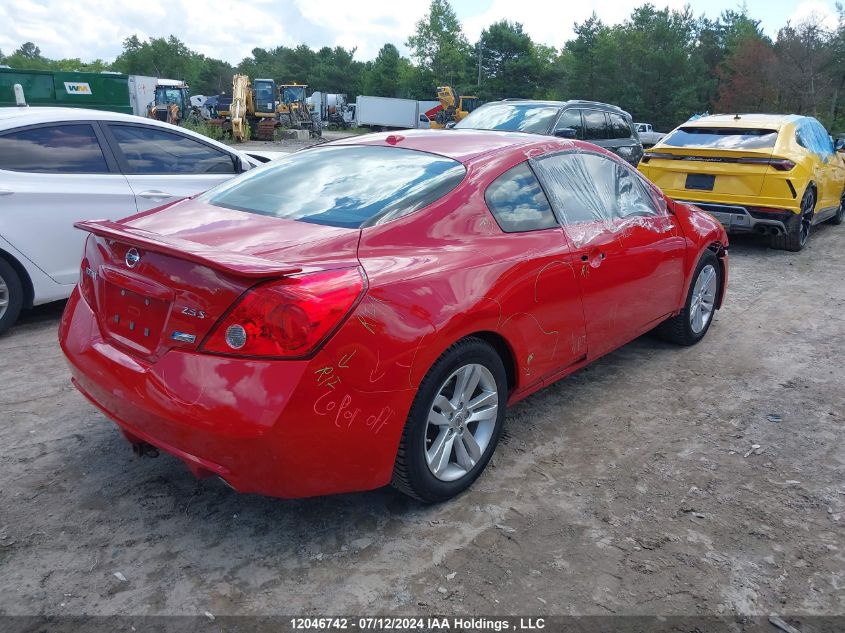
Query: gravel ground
column 630, row 487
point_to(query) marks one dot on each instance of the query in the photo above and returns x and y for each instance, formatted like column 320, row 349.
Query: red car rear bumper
column 257, row 424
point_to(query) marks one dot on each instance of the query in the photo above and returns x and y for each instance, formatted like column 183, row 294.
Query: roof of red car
column 460, row 145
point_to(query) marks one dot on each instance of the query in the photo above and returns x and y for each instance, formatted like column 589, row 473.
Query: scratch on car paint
column 543, row 330
column 367, row 325
column 373, row 371
column 578, row 342
column 528, row 364
column 369, row 314
column 542, row 270
column 499, row 304
column 413, row 358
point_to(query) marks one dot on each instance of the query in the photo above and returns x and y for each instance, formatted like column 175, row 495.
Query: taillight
column 288, row 318
column 87, row 279
column 782, row 164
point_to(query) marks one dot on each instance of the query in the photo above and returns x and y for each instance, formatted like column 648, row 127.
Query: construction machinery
column 171, row 102
column 294, row 112
column 252, row 104
column 452, row 107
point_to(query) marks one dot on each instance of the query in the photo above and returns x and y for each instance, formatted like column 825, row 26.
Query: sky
column 229, row 30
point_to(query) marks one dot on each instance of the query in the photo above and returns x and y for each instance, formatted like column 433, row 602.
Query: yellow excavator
column 452, row 107
column 251, row 104
column 294, row 112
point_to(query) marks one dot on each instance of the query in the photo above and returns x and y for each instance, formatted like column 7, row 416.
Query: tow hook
column 142, row 449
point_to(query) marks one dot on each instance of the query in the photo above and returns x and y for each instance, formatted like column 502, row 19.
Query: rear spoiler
column 225, row 261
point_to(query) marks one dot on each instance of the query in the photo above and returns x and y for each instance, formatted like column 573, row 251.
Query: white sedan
column 62, row 165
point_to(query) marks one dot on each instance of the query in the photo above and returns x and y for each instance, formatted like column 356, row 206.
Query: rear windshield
column 722, row 138
column 348, row 187
column 513, row 117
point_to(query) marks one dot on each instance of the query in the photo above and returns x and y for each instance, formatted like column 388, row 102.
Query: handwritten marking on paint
column 344, row 361
column 328, row 376
column 345, row 414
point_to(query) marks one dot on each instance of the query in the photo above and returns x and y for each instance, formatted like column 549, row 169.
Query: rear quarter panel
column 447, row 271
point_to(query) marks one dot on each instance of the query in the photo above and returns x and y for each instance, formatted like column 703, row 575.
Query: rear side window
column 570, row 120
column 518, row 203
column 810, row 135
column 55, row 149
column 586, row 187
column 344, row 186
column 722, row 138
column 595, row 126
column 151, row 151
column 619, row 127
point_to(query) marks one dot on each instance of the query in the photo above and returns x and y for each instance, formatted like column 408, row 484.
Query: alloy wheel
column 807, row 205
column 4, row 297
column 461, row 422
column 703, row 298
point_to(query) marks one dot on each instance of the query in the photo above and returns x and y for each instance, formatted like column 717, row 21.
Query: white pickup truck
column 648, row 137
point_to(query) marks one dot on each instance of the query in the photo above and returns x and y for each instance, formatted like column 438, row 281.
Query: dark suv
column 603, row 124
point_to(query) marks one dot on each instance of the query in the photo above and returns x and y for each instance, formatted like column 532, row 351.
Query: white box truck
column 386, row 113
column 142, row 93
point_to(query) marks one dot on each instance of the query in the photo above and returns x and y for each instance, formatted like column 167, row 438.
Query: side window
column 152, row 151
column 633, row 200
column 619, row 127
column 570, row 120
column 585, row 187
column 54, row 149
column 595, row 126
column 518, row 203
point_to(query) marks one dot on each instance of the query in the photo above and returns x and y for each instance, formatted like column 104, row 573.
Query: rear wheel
column 11, row 296
column 454, row 423
column 690, row 326
column 798, row 229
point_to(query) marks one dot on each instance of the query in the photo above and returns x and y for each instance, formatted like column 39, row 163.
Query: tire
column 11, row 295
column 837, row 219
column 798, row 230
column 683, row 329
column 470, row 443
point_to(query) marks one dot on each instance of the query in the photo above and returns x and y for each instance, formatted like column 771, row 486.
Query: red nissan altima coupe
column 363, row 313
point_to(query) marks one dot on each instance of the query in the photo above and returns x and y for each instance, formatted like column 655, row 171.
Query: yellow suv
column 777, row 175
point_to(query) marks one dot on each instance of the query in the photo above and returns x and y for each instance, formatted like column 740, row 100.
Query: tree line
column 662, row 65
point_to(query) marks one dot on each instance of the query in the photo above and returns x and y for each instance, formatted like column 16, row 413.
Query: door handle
column 155, row 194
column 596, row 257
column 6, row 192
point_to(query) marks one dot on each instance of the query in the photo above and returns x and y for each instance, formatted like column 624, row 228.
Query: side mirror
column 243, row 164
column 839, row 145
column 566, row 132
column 450, row 125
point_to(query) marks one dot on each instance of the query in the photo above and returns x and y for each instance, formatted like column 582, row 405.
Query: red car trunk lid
column 155, row 291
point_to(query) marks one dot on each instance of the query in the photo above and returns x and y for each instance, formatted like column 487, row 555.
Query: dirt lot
column 625, row 489
column 288, row 146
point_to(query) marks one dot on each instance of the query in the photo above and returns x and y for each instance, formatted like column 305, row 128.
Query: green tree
column 509, row 63
column 591, row 61
column 440, row 46
column 382, row 76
